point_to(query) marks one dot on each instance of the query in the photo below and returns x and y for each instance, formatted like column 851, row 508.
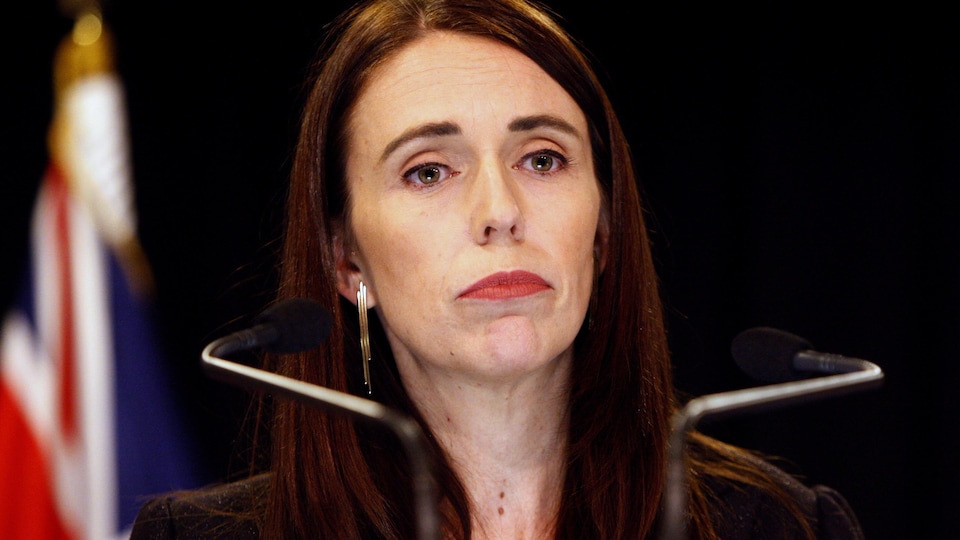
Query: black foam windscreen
column 767, row 354
column 301, row 324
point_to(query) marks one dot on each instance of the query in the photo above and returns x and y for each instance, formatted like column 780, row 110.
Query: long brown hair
column 334, row 479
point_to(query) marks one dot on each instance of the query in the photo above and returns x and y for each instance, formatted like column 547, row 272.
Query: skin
column 466, row 160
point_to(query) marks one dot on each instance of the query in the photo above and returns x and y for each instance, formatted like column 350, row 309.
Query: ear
column 349, row 274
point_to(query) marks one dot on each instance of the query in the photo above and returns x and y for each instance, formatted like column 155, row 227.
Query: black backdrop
column 799, row 161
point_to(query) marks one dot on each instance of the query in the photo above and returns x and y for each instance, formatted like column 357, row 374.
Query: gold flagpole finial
column 87, row 50
column 84, row 78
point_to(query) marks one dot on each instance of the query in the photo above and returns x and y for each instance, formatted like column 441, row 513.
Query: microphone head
column 301, row 324
column 767, row 354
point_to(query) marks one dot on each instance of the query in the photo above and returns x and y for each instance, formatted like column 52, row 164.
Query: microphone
column 293, row 325
column 300, row 324
column 769, row 355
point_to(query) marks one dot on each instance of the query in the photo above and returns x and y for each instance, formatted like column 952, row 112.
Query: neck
column 507, row 443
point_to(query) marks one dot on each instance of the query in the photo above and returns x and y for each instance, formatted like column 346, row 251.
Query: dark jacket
column 748, row 513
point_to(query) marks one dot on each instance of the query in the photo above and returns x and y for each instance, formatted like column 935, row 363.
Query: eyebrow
column 440, row 129
column 527, row 123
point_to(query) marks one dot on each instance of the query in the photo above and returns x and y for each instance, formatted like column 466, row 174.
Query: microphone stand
column 407, row 430
column 674, row 519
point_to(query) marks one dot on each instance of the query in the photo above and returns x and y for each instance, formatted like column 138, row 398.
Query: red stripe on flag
column 27, row 507
column 67, row 365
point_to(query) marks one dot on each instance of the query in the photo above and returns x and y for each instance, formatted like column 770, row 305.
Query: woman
column 461, row 173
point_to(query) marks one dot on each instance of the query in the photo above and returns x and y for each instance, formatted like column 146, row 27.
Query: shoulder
column 222, row 511
column 748, row 512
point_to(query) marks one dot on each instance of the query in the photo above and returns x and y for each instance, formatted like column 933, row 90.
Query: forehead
column 446, row 76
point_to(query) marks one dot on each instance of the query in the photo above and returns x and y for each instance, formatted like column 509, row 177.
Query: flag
column 88, row 423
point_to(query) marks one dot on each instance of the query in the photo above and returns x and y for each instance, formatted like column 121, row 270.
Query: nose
column 495, row 199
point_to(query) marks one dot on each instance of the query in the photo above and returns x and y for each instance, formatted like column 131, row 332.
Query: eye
column 427, row 174
column 543, row 161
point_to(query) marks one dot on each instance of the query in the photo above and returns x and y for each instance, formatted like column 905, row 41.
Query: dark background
column 800, row 162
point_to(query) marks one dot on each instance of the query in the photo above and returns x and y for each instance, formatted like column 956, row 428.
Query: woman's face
column 474, row 209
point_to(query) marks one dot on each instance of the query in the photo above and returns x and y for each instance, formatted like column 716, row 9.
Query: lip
column 506, row 285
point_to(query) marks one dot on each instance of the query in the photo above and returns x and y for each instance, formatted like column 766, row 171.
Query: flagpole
column 87, row 412
column 86, row 53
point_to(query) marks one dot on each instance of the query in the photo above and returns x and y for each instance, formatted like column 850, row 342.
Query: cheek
column 581, row 260
column 397, row 257
column 578, row 247
column 577, row 226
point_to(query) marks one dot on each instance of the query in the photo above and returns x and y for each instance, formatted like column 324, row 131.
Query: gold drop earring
column 364, row 335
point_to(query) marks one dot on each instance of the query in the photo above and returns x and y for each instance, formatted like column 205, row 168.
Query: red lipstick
column 505, row 285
